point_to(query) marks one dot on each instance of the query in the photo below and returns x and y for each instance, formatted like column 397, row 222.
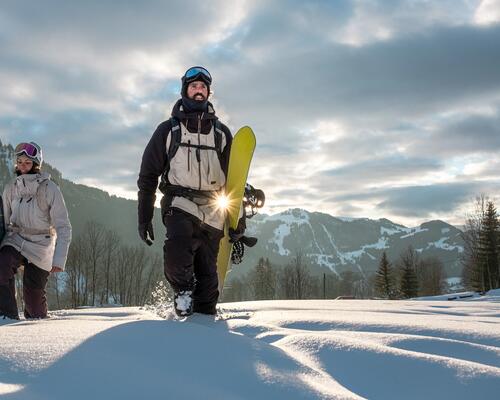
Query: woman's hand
column 56, row 269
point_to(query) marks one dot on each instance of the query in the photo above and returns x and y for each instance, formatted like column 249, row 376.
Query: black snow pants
column 190, row 255
column 34, row 284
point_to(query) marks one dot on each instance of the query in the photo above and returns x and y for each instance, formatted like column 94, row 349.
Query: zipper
column 208, row 171
column 198, row 156
column 189, row 154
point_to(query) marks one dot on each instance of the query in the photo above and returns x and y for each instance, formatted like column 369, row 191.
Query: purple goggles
column 26, row 148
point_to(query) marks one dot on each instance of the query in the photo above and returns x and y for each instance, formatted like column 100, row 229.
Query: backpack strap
column 172, row 145
column 175, row 139
column 219, row 133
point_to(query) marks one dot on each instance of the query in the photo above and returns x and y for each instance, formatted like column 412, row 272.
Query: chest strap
column 200, row 197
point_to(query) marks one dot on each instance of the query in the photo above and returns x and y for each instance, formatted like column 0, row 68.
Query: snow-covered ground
column 343, row 349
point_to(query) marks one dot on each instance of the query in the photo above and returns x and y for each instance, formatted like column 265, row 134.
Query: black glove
column 235, row 234
column 145, row 206
column 249, row 241
column 145, row 229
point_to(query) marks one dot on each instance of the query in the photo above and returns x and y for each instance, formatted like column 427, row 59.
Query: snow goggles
column 195, row 71
column 26, row 148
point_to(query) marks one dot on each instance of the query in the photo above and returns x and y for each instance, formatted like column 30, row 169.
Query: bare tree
column 111, row 244
column 94, row 240
column 154, row 275
column 295, row 279
column 75, row 269
column 431, row 277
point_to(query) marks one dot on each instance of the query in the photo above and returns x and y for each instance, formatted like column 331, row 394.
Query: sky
column 294, row 349
column 378, row 109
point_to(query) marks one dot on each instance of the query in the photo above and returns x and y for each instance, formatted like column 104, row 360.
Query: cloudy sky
column 361, row 108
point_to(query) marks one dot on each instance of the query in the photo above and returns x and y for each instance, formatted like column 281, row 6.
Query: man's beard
column 199, row 97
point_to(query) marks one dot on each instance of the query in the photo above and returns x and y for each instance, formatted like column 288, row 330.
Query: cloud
column 488, row 12
column 417, row 201
column 345, row 97
column 463, row 135
column 386, row 170
column 403, row 78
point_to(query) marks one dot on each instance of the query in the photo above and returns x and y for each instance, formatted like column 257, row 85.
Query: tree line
column 101, row 270
column 409, row 277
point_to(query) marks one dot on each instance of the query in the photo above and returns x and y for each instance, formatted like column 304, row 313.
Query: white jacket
column 41, row 235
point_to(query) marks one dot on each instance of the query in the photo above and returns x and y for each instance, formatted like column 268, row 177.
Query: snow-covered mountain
column 339, row 244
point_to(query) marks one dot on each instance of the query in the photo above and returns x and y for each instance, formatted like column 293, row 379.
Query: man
column 190, row 152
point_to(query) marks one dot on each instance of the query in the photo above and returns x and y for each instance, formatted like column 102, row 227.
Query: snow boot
column 183, row 303
column 8, row 304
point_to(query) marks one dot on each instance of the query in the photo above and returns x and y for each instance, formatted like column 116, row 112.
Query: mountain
column 329, row 244
column 334, row 245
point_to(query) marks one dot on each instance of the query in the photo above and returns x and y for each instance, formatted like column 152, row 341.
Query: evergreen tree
column 263, row 280
column 488, row 252
column 409, row 282
column 472, row 276
column 384, row 279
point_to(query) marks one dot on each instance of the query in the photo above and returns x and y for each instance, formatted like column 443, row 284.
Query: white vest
column 198, row 169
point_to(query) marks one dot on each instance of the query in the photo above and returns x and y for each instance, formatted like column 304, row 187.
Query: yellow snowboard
column 242, row 149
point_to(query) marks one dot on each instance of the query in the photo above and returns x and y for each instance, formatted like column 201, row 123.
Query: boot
column 8, row 304
column 35, row 303
column 183, row 303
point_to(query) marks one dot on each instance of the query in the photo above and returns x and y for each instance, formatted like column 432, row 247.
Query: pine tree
column 263, row 280
column 384, row 279
column 409, row 282
column 472, row 275
column 488, row 251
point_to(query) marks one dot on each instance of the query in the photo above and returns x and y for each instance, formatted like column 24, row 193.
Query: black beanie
column 198, row 77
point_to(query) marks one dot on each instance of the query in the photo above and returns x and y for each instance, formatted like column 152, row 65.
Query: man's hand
column 56, row 269
column 146, row 232
column 235, row 234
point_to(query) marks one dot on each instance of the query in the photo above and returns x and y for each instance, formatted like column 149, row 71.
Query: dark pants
column 34, row 283
column 190, row 254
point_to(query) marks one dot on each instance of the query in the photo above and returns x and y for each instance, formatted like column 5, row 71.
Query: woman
column 38, row 234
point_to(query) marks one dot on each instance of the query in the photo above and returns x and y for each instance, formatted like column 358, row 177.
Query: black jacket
column 155, row 160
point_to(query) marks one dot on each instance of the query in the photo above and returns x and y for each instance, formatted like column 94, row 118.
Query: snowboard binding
column 253, row 199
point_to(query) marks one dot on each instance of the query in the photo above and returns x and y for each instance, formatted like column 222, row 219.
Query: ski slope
column 321, row 349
